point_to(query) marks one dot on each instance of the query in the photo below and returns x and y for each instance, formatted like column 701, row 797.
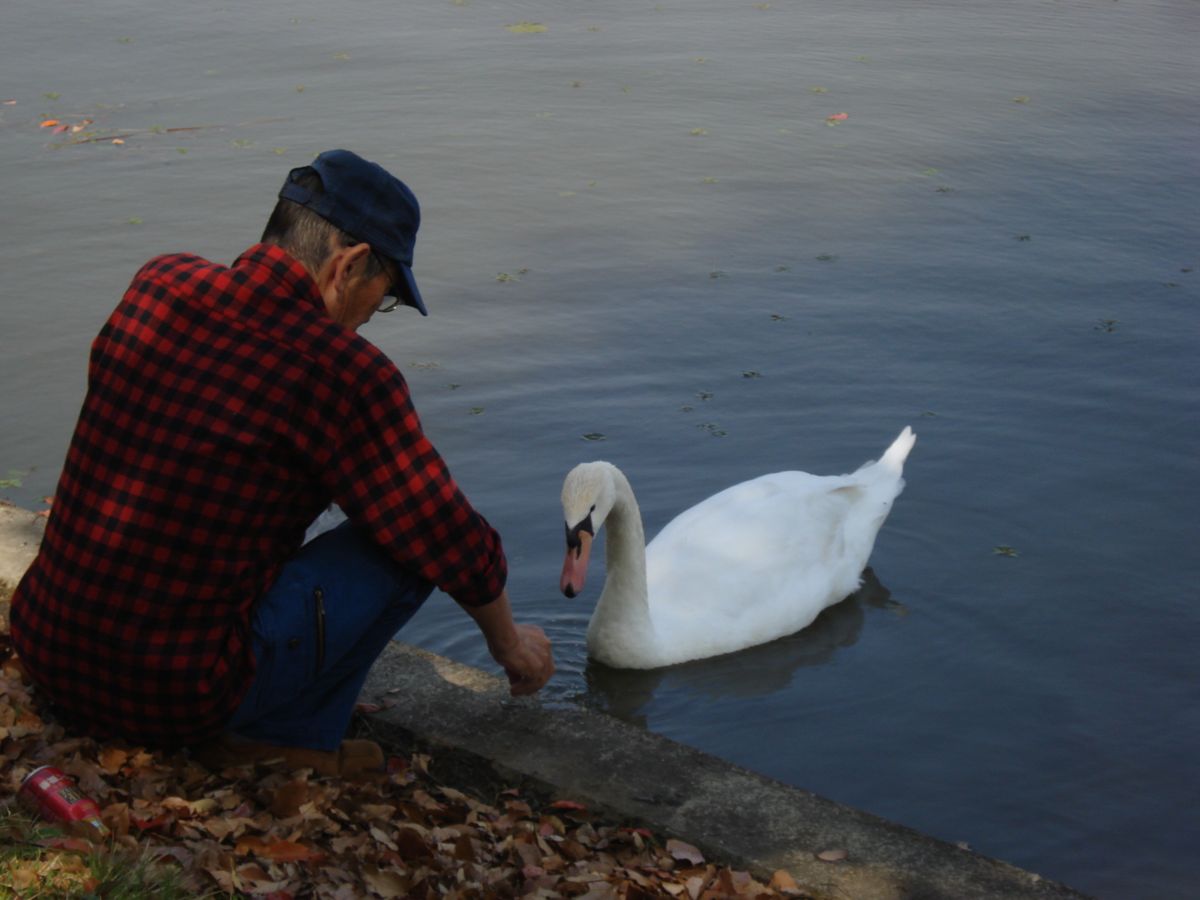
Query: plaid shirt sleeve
column 387, row 476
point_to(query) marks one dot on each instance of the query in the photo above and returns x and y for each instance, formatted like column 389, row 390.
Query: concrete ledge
column 20, row 535
column 484, row 739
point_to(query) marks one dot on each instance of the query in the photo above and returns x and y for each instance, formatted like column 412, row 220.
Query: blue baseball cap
column 368, row 203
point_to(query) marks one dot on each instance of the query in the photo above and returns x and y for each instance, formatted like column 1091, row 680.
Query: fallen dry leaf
column 684, row 852
column 263, row 832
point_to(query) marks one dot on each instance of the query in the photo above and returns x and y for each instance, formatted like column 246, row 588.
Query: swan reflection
column 752, row 672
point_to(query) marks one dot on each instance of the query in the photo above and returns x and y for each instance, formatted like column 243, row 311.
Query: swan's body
column 755, row 562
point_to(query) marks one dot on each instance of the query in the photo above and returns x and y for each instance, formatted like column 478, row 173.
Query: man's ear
column 350, row 262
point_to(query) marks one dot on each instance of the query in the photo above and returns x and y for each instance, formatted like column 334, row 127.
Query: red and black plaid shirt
column 225, row 409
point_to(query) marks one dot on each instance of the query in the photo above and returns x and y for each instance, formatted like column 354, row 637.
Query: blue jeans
column 322, row 625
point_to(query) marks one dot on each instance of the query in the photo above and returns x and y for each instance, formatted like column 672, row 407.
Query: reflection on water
column 756, row 671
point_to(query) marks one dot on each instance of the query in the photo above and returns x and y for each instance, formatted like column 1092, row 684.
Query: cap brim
column 406, row 290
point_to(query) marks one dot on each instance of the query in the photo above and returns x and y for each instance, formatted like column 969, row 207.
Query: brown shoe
column 351, row 758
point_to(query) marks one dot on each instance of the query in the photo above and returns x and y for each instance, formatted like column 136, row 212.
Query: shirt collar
column 289, row 277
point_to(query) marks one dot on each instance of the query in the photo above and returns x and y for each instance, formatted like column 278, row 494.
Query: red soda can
column 53, row 795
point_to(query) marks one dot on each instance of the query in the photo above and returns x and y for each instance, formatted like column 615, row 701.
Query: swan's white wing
column 750, row 562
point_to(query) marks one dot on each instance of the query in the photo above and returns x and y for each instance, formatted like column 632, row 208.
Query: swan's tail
column 891, row 464
column 895, row 455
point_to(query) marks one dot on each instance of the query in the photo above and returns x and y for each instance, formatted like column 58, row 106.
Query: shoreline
column 482, row 741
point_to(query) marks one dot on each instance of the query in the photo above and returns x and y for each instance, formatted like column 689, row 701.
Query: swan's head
column 588, row 494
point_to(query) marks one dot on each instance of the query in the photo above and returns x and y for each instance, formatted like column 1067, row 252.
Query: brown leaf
column 684, row 852
column 112, row 758
column 832, row 855
column 289, row 851
column 386, row 883
column 783, row 882
column 289, row 798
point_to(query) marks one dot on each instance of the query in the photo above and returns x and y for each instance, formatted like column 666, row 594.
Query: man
column 173, row 601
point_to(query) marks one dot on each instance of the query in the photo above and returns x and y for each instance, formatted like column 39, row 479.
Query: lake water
column 641, row 226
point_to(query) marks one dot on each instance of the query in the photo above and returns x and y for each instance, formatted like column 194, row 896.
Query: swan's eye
column 573, row 542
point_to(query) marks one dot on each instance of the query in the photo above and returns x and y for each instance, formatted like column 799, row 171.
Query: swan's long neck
column 623, row 605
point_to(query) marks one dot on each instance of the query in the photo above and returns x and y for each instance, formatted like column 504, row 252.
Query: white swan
column 755, row 562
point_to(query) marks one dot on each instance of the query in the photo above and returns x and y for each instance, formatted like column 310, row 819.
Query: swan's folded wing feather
column 773, row 540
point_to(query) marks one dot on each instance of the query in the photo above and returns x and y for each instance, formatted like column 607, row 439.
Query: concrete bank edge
column 483, row 740
column 486, row 740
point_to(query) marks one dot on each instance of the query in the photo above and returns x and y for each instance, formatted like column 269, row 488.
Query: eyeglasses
column 390, row 300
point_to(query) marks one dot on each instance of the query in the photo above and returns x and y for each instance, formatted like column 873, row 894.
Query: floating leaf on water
column 700, row 59
column 49, row 123
column 762, row 5
column 454, row 387
column 566, row 193
column 157, row 129
column 52, row 95
column 819, row 89
column 1021, row 99
column 124, row 40
column 709, row 180
column 341, row 56
column 1005, row 550
column 836, row 118
column 527, row 28
column 299, row 89
column 505, row 277
column 133, row 220
column 713, row 428
column 61, row 129
column 698, row 132
column 117, row 141
column 10, row 102
column 716, row 274
column 776, row 317
column 576, row 84
column 704, row 395
column 279, row 151
column 182, row 151
column 476, row 410
column 594, row 28
column 827, row 257
column 752, row 374
column 594, row 436
column 243, row 142
column 686, row 408
column 1106, row 325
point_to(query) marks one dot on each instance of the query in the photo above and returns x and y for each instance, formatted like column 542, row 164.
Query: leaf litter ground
column 263, row 831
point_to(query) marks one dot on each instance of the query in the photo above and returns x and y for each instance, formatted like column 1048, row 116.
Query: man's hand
column 528, row 662
column 523, row 651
